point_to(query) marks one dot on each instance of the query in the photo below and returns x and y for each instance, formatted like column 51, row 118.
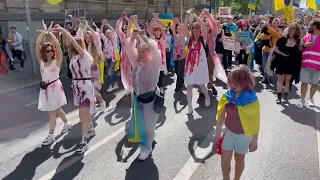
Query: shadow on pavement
column 29, row 163
column 201, row 128
column 121, row 113
column 306, row 116
column 122, row 152
column 142, row 170
column 72, row 171
column 181, row 98
column 161, row 118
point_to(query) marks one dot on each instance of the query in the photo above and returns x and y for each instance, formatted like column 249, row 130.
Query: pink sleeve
column 155, row 54
column 119, row 30
column 132, row 50
column 213, row 24
column 97, row 41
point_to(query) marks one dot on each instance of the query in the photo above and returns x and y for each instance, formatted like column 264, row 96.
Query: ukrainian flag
column 288, row 10
column 252, row 4
column 248, row 107
column 312, row 4
column 278, row 5
column 137, row 131
column 54, row 2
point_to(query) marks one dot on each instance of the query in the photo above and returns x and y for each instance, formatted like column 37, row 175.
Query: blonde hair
column 97, row 56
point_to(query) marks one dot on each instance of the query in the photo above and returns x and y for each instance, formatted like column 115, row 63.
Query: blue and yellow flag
column 54, row 2
column 248, row 107
column 137, row 132
column 312, row 4
column 166, row 19
column 288, row 10
column 252, row 4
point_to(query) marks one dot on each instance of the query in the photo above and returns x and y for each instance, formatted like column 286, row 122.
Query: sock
column 51, row 132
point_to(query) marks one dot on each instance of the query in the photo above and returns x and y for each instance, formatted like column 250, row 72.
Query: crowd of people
column 291, row 51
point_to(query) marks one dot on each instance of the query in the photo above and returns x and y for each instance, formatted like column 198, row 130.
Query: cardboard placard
column 229, row 43
column 224, row 11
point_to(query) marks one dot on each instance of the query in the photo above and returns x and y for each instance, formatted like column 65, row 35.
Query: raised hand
column 105, row 22
column 123, row 15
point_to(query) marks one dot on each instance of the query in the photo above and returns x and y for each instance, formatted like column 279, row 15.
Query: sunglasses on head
column 50, row 50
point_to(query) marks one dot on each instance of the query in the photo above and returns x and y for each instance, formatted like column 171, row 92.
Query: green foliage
column 239, row 6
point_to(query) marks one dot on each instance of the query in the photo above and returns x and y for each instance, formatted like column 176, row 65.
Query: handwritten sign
column 224, row 11
column 229, row 43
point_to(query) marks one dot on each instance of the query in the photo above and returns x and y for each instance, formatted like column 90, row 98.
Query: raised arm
column 203, row 26
column 38, row 45
column 95, row 37
column 175, row 23
column 56, row 44
column 132, row 50
column 186, row 24
column 71, row 40
column 212, row 22
column 119, row 26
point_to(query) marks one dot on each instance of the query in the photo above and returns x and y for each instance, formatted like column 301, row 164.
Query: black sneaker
column 201, row 96
column 285, row 96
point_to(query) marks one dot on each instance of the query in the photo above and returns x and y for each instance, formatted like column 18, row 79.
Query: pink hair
column 243, row 77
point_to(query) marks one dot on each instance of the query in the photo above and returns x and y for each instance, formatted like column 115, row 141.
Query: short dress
column 196, row 70
column 83, row 90
column 53, row 97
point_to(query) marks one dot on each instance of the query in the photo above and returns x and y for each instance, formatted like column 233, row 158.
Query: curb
column 31, row 84
column 19, row 87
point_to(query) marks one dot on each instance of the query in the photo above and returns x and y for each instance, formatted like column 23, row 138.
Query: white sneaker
column 49, row 140
column 311, row 103
column 83, row 147
column 190, row 109
column 301, row 104
column 165, row 73
column 145, row 153
column 207, row 102
column 91, row 132
column 102, row 105
column 66, row 128
column 128, row 93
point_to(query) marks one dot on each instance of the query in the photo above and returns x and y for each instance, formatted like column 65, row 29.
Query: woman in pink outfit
column 146, row 61
column 125, row 64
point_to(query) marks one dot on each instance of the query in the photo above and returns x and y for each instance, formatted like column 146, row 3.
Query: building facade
column 12, row 12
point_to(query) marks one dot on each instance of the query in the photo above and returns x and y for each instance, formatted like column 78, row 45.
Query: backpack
column 205, row 46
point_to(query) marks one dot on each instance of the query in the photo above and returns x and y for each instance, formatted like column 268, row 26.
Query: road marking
column 318, row 128
column 77, row 158
column 191, row 166
column 30, row 104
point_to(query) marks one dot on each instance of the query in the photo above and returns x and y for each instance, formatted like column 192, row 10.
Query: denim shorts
column 237, row 142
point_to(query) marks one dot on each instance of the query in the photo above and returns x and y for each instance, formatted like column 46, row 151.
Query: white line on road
column 318, row 128
column 191, row 166
column 30, row 104
column 77, row 158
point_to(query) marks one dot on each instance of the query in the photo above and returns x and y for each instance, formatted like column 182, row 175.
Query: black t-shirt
column 226, row 29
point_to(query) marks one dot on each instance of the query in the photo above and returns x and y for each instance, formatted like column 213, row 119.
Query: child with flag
column 239, row 110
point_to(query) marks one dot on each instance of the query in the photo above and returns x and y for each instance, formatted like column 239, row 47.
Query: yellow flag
column 289, row 12
column 132, row 27
column 278, row 5
column 311, row 4
column 54, row 2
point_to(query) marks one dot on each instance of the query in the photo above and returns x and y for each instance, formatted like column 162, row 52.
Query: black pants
column 179, row 68
column 227, row 59
column 168, row 59
column 69, row 74
column 18, row 54
column 243, row 57
column 160, row 83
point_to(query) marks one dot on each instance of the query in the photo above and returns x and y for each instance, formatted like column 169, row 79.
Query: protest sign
column 224, row 11
column 229, row 43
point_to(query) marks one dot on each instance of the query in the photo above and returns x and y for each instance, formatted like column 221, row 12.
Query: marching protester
column 4, row 53
column 146, row 62
column 196, row 68
column 15, row 43
column 83, row 91
column 51, row 96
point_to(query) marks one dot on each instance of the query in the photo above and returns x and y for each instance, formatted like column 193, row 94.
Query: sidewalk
column 23, row 79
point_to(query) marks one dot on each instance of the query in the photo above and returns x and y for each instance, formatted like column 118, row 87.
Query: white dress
column 197, row 73
column 53, row 97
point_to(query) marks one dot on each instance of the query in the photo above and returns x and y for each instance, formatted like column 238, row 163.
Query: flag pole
column 30, row 38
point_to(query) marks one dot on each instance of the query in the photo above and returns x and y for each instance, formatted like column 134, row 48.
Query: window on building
column 151, row 1
column 170, row 2
column 129, row 1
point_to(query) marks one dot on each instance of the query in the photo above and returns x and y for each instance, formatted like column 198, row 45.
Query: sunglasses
column 50, row 50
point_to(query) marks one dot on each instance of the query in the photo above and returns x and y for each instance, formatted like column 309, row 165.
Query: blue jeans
column 265, row 56
column 110, row 71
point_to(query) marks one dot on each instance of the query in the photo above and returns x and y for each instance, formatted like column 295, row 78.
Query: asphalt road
column 288, row 143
